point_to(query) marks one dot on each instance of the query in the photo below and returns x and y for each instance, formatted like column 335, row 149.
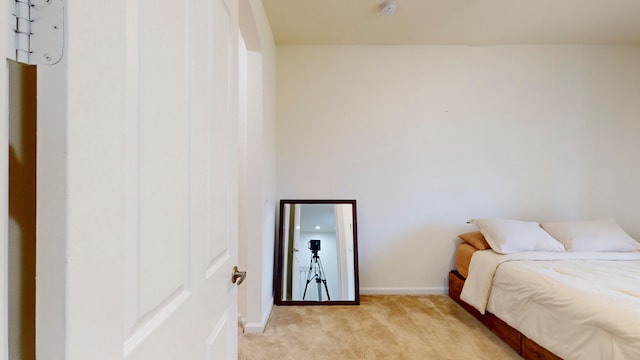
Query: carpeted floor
column 381, row 327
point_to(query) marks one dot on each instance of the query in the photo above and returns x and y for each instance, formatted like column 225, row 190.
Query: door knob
column 237, row 277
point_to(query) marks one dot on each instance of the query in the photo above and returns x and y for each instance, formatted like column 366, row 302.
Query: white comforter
column 577, row 305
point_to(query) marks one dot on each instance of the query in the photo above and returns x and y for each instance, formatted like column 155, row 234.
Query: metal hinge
column 37, row 36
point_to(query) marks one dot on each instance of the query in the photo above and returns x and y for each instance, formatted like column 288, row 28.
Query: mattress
column 579, row 306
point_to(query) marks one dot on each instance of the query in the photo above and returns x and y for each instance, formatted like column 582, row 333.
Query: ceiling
column 321, row 215
column 455, row 22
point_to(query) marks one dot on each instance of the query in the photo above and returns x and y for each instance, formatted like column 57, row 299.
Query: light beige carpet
column 381, row 327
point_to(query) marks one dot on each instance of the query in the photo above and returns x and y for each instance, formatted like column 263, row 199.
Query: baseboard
column 257, row 327
column 405, row 291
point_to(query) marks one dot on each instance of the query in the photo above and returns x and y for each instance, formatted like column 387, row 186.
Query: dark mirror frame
column 280, row 252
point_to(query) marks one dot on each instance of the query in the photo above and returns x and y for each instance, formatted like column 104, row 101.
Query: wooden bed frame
column 524, row 346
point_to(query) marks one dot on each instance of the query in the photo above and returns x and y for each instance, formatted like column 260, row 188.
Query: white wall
column 426, row 137
column 257, row 192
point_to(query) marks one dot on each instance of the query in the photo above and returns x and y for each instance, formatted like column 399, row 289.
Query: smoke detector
column 388, row 7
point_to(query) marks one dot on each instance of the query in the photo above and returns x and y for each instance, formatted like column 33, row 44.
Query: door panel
column 163, row 152
column 219, row 87
column 183, row 180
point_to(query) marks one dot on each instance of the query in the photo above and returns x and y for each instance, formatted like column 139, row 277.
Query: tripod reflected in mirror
column 316, row 271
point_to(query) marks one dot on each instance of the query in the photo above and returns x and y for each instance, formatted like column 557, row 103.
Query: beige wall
column 22, row 211
column 427, row 137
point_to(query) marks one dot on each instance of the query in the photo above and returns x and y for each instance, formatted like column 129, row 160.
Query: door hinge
column 37, row 37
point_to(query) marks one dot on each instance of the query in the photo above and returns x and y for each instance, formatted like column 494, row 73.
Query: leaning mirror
column 317, row 253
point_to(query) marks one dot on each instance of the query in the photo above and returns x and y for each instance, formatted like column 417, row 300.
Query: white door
column 146, row 97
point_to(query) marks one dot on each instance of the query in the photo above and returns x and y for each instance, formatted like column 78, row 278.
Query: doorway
column 22, row 211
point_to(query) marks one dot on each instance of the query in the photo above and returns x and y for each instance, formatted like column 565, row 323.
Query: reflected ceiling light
column 317, row 227
column 388, row 7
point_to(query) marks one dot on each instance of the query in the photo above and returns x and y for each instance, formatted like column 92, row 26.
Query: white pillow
column 509, row 236
column 593, row 235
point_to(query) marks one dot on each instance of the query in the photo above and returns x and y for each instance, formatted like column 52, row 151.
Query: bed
column 554, row 300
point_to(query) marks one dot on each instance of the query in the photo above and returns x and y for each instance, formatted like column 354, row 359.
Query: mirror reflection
column 317, row 252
